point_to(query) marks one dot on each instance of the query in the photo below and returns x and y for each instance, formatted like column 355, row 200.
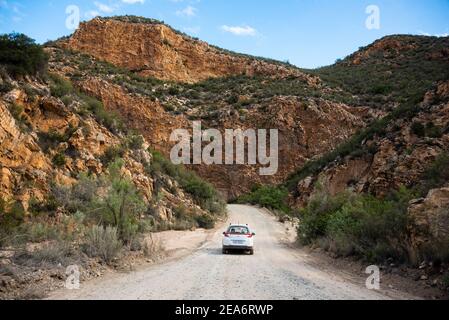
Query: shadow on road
column 218, row 252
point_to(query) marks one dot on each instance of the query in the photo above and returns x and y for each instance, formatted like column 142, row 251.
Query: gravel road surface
column 277, row 271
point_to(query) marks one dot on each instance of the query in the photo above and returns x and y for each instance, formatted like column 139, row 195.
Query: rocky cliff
column 247, row 93
column 36, row 128
column 151, row 48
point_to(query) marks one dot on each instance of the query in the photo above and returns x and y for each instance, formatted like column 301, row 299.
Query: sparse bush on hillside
column 52, row 138
column 393, row 76
column 17, row 112
column 108, row 118
column 112, row 153
column 418, row 129
column 12, row 215
column 50, row 255
column 436, row 175
column 122, row 206
column 21, row 55
column 205, row 221
column 354, row 146
column 134, row 141
column 102, row 242
column 203, row 193
column 59, row 160
column 59, row 87
column 315, row 217
column 6, row 87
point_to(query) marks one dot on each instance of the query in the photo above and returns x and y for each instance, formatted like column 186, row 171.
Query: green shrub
column 359, row 225
column 112, row 153
column 203, row 193
column 17, row 112
column 103, row 243
column 12, row 215
column 270, row 197
column 122, row 206
column 59, row 160
column 6, row 87
column 436, row 175
column 50, row 255
column 52, row 138
column 433, row 131
column 109, row 119
column 369, row 228
column 446, row 281
column 21, row 55
column 315, row 217
column 67, row 100
column 418, row 129
column 40, row 231
column 60, row 87
column 135, row 142
column 205, row 221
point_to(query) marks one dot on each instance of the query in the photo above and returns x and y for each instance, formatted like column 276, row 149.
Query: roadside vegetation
column 373, row 229
column 358, row 225
column 270, row 197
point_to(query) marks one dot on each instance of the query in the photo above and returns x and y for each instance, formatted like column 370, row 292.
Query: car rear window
column 238, row 230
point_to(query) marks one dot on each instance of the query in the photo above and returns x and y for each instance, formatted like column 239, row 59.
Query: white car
column 238, row 237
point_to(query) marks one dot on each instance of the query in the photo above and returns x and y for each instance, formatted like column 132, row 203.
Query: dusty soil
column 278, row 270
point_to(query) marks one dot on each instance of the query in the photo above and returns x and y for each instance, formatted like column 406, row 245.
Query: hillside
column 391, row 70
column 312, row 119
column 76, row 184
column 151, row 48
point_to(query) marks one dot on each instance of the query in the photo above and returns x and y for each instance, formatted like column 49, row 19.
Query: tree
column 122, row 205
column 21, row 55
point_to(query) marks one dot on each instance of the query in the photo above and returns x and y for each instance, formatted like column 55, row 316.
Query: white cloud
column 104, row 7
column 440, row 35
column 133, row 1
column 192, row 30
column 91, row 14
column 240, row 31
column 187, row 12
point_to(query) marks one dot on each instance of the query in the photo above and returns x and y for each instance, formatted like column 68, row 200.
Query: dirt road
column 276, row 271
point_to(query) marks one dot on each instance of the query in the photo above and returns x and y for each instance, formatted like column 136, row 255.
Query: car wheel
column 251, row 252
column 225, row 251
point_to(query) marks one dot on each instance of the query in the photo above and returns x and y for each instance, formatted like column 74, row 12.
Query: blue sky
column 308, row 33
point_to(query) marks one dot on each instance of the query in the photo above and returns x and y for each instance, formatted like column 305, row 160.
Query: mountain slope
column 312, row 119
column 151, row 48
column 391, row 70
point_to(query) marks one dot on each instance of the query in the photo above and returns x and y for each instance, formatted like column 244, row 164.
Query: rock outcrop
column 42, row 127
column 430, row 218
column 400, row 158
column 156, row 50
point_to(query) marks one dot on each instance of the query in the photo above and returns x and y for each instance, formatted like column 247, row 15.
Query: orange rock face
column 400, row 159
column 305, row 131
column 158, row 51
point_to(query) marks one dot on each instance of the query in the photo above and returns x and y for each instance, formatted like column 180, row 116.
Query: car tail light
column 249, row 235
column 226, row 235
